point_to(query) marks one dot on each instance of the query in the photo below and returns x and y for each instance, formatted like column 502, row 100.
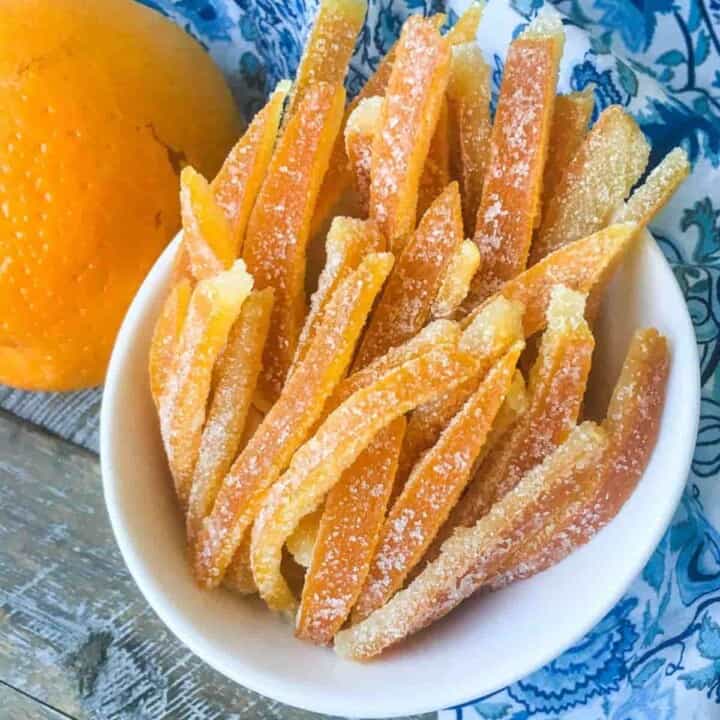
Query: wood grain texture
column 75, row 633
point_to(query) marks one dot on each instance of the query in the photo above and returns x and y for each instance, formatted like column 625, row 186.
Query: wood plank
column 17, row 706
column 75, row 633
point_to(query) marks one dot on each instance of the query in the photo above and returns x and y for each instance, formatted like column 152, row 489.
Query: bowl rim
column 291, row 693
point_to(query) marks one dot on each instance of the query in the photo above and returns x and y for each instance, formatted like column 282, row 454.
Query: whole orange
column 101, row 104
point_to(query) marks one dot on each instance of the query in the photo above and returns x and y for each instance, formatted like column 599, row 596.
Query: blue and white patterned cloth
column 656, row 655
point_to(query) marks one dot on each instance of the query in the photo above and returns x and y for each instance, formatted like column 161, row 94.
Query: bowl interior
column 488, row 642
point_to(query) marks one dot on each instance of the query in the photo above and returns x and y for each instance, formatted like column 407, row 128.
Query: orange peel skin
column 235, row 376
column 414, row 95
column 579, row 266
column 456, row 279
column 320, row 462
column 555, row 392
column 289, row 420
column 301, row 543
column 571, row 117
column 468, row 95
column 360, row 130
column 347, row 536
column 214, row 306
column 632, row 424
column 472, row 555
column 466, row 28
column 510, row 199
column 610, row 160
column 436, row 171
column 433, row 488
column 239, row 179
column 406, row 302
column 166, row 334
column 279, row 225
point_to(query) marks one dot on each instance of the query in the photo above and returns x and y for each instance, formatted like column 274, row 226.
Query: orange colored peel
column 289, row 421
column 456, row 279
column 320, row 462
column 413, row 98
column 510, row 199
column 214, row 307
column 302, row 541
column 279, row 225
column 466, row 27
column 436, row 171
column 360, row 131
column 235, row 376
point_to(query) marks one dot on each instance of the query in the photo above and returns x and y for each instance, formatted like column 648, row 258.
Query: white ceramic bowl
column 489, row 641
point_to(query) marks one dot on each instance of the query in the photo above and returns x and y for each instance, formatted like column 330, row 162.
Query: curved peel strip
column 472, row 555
column 518, row 147
column 414, row 94
column 214, row 306
column 610, row 160
column 320, row 462
column 456, row 279
column 290, row 419
column 302, row 541
column 433, row 488
column 238, row 182
column 348, row 534
column 361, row 128
column 406, row 302
column 235, row 376
column 163, row 346
column 279, row 226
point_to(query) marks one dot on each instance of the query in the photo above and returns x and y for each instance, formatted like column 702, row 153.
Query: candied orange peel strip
column 302, row 541
column 214, row 306
column 279, row 226
column 456, row 280
column 413, row 98
column 289, row 420
column 571, row 117
column 348, row 241
column 406, row 302
column 579, row 266
column 347, row 536
column 436, row 171
column 239, row 577
column 207, row 237
column 238, row 182
column 235, row 376
column 632, row 425
column 652, row 196
column 610, row 160
column 466, row 27
column 468, row 95
column 433, row 488
column 555, row 392
column 329, row 46
column 510, row 199
column 493, row 331
column 320, row 462
column 360, row 131
column 166, row 334
column 472, row 555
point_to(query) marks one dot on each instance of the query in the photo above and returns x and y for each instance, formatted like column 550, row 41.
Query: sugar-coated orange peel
column 433, row 488
column 207, row 237
column 510, row 199
column 214, row 306
column 406, row 302
column 468, row 95
column 360, row 130
column 414, row 94
column 166, row 334
column 579, row 266
column 472, row 555
column 571, row 117
column 302, row 541
column 348, row 241
column 289, row 420
column 556, row 388
column 609, row 161
column 436, row 171
column 466, row 27
column 328, row 47
column 632, row 425
column 279, row 226
column 238, row 182
column 347, row 536
column 235, row 376
column 320, row 462
column 456, row 280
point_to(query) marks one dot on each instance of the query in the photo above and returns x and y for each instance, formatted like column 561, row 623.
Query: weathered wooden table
column 77, row 640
